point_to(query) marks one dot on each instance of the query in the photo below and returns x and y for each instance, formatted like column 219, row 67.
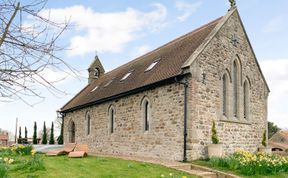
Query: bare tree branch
column 28, row 50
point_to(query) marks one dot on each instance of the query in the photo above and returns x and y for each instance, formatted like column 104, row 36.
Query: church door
column 72, row 132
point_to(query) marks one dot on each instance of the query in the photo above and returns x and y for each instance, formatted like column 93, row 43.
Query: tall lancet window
column 224, row 90
column 235, row 89
column 245, row 100
column 146, row 116
column 112, row 120
column 88, row 121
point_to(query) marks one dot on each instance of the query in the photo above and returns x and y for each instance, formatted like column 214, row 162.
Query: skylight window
column 152, row 65
column 94, row 89
column 108, row 83
column 126, row 75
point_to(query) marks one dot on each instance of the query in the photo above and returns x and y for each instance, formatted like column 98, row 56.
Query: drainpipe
column 185, row 84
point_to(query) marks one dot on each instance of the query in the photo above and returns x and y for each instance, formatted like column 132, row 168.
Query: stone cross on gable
column 234, row 40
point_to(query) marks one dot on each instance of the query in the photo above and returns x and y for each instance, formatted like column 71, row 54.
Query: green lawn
column 94, row 167
column 206, row 164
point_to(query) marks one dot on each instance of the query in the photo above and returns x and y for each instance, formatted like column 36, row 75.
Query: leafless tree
column 28, row 49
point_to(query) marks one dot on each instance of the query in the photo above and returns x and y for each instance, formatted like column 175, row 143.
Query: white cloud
column 276, row 73
column 187, row 8
column 106, row 32
column 274, row 25
column 140, row 51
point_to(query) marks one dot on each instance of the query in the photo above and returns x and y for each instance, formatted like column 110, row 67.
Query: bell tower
column 95, row 70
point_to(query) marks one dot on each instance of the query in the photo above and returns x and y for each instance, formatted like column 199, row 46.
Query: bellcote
column 95, row 70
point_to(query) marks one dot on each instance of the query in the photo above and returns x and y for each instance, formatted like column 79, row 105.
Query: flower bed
column 252, row 164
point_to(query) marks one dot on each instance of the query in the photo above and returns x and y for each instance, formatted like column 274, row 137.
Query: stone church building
column 162, row 104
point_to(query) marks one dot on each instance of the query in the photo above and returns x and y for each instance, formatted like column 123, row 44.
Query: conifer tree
column 44, row 136
column 20, row 137
column 60, row 138
column 264, row 143
column 35, row 134
column 26, row 138
column 51, row 141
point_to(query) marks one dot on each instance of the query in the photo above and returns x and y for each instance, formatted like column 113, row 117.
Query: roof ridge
column 168, row 43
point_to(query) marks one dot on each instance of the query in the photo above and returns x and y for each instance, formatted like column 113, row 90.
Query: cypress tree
column 44, row 136
column 35, row 134
column 60, row 138
column 26, row 138
column 264, row 143
column 214, row 134
column 51, row 141
column 20, row 137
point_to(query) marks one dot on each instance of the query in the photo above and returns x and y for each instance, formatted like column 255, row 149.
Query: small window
column 151, row 66
column 94, row 89
column 126, row 76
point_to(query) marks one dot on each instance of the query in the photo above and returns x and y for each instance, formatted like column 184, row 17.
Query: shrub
column 23, row 150
column 251, row 164
column 214, row 134
column 34, row 163
column 5, row 152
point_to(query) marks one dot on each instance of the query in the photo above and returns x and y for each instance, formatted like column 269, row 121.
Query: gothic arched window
column 88, row 122
column 112, row 119
column 224, row 94
column 235, row 89
column 246, row 100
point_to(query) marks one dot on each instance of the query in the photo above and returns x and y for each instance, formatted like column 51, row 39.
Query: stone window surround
column 88, row 123
column 144, row 102
column 228, row 117
column 111, row 119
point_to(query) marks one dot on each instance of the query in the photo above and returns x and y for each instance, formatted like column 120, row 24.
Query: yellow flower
column 184, row 177
column 11, row 161
column 170, row 174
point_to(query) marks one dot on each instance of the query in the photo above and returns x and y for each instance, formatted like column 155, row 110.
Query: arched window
column 224, row 97
column 146, row 115
column 96, row 72
column 235, row 89
column 246, row 99
column 112, row 119
column 71, row 131
column 88, row 122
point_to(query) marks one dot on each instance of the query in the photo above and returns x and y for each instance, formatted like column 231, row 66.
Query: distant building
column 4, row 137
column 138, row 108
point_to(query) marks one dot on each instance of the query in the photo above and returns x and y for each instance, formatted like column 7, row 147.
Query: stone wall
column 205, row 97
column 164, row 138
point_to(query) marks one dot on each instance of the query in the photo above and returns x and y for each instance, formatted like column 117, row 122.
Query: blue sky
column 121, row 30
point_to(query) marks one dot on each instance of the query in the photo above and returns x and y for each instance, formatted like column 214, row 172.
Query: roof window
column 108, row 83
column 94, row 89
column 126, row 75
column 152, row 65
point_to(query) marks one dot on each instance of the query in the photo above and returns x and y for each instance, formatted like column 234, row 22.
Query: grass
column 207, row 164
column 94, row 167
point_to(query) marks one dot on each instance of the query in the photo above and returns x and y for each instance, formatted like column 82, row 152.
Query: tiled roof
column 280, row 137
column 172, row 56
